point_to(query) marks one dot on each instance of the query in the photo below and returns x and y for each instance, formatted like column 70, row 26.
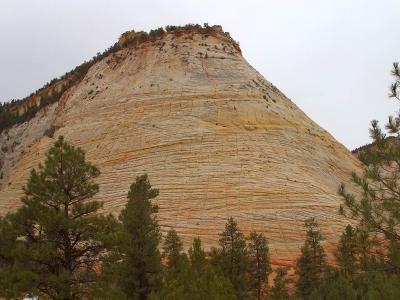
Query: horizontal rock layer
column 215, row 137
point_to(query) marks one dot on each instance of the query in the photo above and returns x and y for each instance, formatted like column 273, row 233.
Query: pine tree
column 196, row 280
column 377, row 206
column 311, row 265
column 232, row 257
column 259, row 265
column 197, row 256
column 140, row 270
column 336, row 287
column 378, row 285
column 8, row 244
column 346, row 255
column 60, row 234
column 173, row 252
column 280, row 290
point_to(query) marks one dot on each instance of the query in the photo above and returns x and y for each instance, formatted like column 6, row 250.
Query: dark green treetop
column 139, row 271
column 280, row 290
column 346, row 254
column 259, row 265
column 311, row 265
column 61, row 238
column 232, row 257
column 377, row 205
column 196, row 279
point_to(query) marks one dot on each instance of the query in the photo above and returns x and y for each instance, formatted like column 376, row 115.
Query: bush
column 49, row 132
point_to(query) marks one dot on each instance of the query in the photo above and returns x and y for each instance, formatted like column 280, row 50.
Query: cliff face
column 215, row 137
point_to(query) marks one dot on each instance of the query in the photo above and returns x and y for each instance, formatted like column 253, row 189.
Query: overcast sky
column 331, row 58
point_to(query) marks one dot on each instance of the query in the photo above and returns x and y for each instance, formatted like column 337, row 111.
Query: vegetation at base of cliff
column 58, row 245
column 9, row 111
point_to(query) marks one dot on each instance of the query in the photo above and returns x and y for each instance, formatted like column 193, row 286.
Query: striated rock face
column 215, row 137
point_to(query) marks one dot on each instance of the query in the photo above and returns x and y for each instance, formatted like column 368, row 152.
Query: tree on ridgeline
column 259, row 265
column 311, row 265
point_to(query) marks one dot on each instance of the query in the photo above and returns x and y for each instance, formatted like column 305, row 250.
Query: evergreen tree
column 259, row 265
column 346, row 255
column 378, row 285
column 377, row 206
column 173, row 248
column 280, row 290
column 311, row 265
column 196, row 280
column 232, row 257
column 336, row 287
column 61, row 238
column 139, row 272
column 8, row 244
column 197, row 256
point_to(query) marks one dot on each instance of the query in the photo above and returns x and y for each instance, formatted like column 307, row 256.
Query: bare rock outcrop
column 215, row 137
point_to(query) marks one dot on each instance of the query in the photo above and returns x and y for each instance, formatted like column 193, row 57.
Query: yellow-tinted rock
column 215, row 137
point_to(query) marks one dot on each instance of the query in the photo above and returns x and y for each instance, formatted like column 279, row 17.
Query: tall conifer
column 60, row 235
column 233, row 257
column 280, row 290
column 140, row 269
column 259, row 265
column 311, row 265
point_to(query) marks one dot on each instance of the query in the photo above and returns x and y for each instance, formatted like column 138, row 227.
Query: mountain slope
column 215, row 137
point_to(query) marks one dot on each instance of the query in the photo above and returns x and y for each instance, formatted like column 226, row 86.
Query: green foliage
column 346, row 255
column 395, row 87
column 60, row 236
column 232, row 257
column 139, row 270
column 378, row 285
column 259, row 265
column 377, row 206
column 370, row 255
column 173, row 248
column 49, row 132
column 311, row 265
column 196, row 280
column 280, row 290
column 9, row 115
column 8, row 242
column 197, row 255
column 335, row 288
column 154, row 33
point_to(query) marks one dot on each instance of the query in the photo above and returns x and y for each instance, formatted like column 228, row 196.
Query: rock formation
column 215, row 137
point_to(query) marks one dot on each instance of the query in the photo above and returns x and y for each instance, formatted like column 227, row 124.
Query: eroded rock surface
column 215, row 137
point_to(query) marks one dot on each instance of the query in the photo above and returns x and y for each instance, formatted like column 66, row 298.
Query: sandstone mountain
column 215, row 137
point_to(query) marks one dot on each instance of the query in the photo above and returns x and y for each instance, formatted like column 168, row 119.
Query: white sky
column 332, row 58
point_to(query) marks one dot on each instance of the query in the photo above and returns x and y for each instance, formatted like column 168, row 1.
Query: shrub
column 49, row 132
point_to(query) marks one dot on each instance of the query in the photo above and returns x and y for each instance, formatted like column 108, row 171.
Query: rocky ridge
column 215, row 137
